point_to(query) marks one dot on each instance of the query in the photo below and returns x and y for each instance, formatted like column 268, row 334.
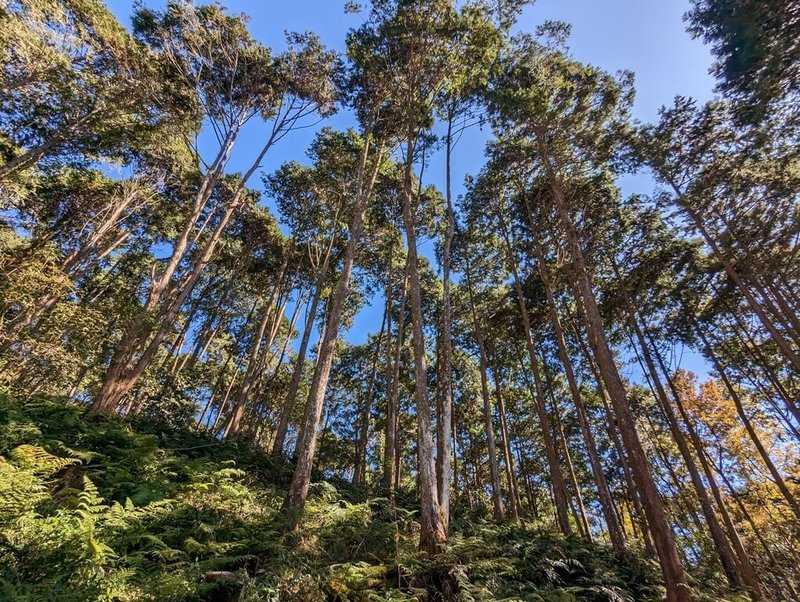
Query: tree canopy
column 183, row 415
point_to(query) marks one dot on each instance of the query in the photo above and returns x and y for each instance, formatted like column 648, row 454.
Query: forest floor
column 133, row 510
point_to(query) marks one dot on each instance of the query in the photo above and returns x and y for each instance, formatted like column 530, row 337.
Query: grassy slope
column 117, row 510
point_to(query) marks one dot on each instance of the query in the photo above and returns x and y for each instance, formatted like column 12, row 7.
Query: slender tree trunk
column 494, row 472
column 167, row 295
column 432, row 530
column 390, row 473
column 671, row 566
column 297, row 373
column 78, row 263
column 777, row 305
column 298, row 490
column 614, row 435
column 557, row 477
column 360, row 468
column 271, row 311
column 721, row 544
column 265, row 382
column 73, row 391
column 604, row 493
column 775, row 563
column 445, row 380
column 583, row 518
column 748, row 572
column 752, row 348
column 513, row 488
column 455, row 447
column 32, row 155
column 776, row 475
column 223, row 404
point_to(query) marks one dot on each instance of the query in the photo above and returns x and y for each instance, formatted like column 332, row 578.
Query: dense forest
column 182, row 416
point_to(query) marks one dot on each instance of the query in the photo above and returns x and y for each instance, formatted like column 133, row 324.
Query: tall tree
column 566, row 125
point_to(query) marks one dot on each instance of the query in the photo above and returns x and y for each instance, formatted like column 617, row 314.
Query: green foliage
column 755, row 43
column 122, row 510
column 490, row 562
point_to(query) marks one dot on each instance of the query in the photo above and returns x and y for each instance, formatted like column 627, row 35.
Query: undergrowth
column 115, row 510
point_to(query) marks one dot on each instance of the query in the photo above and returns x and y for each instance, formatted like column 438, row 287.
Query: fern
column 20, row 491
column 39, row 460
column 146, row 521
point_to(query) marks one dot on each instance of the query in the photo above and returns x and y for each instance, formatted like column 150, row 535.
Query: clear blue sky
column 644, row 36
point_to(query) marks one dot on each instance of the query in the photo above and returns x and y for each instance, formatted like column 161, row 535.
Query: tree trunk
column 671, row 566
column 297, row 373
column 557, row 477
column 301, row 480
column 613, row 432
column 721, row 544
column 121, row 376
column 271, row 311
column 445, row 381
column 604, row 493
column 776, row 476
column 360, row 468
column 390, row 472
column 494, row 472
column 582, row 516
column 513, row 487
column 432, row 533
column 748, row 572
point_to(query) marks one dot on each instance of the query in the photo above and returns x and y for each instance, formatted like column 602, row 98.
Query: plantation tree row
column 529, row 369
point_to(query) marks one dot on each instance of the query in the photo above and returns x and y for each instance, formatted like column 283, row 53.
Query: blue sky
column 644, row 36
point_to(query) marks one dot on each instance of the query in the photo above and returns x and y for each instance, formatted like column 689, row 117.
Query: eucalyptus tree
column 276, row 263
column 563, row 117
column 502, row 199
column 655, row 268
column 474, row 259
column 415, row 38
column 410, row 43
column 478, row 39
column 235, row 80
column 477, row 200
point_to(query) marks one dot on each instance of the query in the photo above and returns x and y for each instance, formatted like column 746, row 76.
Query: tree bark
column 671, row 566
column 721, row 544
column 604, row 493
column 301, row 479
column 445, row 381
column 432, row 532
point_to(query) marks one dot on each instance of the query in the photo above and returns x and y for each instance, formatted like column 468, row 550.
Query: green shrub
column 96, row 510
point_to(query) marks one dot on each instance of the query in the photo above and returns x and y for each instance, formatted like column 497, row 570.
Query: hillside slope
column 120, row 510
